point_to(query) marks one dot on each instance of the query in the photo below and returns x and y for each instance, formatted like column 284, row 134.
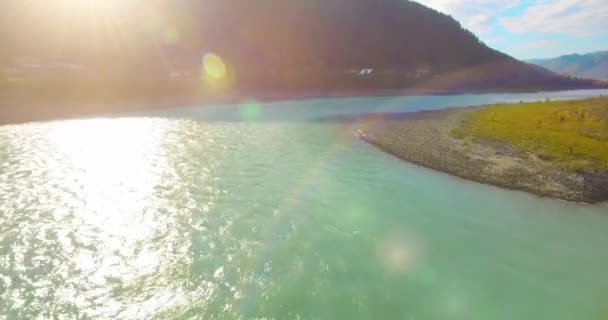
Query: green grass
column 573, row 134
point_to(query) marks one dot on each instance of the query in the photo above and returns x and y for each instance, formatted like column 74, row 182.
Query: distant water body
column 258, row 211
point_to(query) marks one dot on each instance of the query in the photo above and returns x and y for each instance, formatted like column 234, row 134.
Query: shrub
column 563, row 115
column 582, row 112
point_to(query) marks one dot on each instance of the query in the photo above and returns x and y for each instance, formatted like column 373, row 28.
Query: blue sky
column 529, row 29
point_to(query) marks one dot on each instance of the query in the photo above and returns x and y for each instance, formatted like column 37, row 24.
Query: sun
column 79, row 29
column 93, row 4
column 91, row 31
column 58, row 11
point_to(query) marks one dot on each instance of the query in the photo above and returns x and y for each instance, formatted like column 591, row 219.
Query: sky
column 530, row 29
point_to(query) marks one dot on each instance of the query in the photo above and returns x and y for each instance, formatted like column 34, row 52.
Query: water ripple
column 139, row 218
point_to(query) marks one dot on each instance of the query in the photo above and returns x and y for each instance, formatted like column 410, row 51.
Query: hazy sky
column 533, row 28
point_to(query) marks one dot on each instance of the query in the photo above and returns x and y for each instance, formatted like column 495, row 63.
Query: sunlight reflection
column 113, row 157
column 113, row 166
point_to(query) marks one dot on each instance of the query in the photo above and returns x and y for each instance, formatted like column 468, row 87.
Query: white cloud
column 573, row 17
column 475, row 15
column 480, row 23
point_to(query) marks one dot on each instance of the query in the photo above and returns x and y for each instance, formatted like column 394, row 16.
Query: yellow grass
column 573, row 134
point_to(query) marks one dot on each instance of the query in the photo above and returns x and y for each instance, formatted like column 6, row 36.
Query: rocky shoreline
column 423, row 138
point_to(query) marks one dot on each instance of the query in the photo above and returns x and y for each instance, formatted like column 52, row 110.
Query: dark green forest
column 269, row 45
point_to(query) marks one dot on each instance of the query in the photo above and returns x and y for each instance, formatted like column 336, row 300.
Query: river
column 271, row 210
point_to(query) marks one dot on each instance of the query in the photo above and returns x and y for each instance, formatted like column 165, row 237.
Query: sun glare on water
column 103, row 145
column 110, row 163
column 113, row 166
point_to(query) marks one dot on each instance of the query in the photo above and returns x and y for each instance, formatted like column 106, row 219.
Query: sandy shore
column 423, row 138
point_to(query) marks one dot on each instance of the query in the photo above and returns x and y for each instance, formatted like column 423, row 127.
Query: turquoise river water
column 273, row 211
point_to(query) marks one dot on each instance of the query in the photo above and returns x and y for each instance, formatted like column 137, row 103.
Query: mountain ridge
column 283, row 45
column 591, row 65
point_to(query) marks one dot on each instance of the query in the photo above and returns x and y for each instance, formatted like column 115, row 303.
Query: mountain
column 271, row 44
column 591, row 66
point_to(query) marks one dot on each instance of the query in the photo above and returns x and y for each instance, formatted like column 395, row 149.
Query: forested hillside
column 270, row 44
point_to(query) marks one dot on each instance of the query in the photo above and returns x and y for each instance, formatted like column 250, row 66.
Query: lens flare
column 250, row 110
column 170, row 36
column 214, row 67
column 400, row 252
column 216, row 74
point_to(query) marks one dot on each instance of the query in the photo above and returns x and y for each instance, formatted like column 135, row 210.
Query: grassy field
column 573, row 134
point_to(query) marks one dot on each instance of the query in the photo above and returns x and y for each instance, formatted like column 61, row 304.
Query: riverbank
column 28, row 106
column 24, row 104
column 439, row 140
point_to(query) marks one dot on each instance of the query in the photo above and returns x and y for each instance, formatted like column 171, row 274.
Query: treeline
column 268, row 45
